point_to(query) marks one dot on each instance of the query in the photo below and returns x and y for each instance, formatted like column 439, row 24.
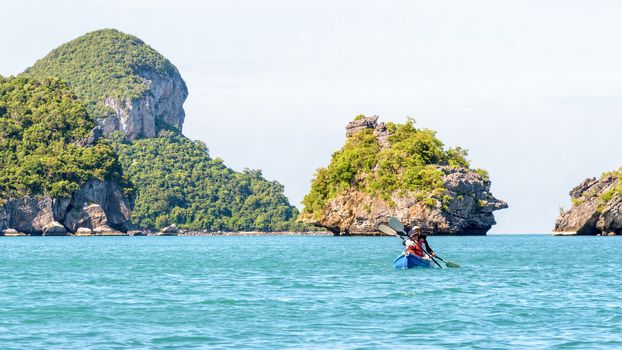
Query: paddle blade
column 396, row 224
column 451, row 264
column 387, row 230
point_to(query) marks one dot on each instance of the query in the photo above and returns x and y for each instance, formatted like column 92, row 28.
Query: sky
column 533, row 89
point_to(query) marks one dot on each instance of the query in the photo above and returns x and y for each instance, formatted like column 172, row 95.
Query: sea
column 301, row 292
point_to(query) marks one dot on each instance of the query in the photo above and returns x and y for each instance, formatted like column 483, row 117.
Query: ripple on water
column 309, row 292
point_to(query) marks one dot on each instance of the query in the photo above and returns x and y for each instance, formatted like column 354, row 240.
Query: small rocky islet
column 388, row 169
column 596, row 207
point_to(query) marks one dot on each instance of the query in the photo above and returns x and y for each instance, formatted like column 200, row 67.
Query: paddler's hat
column 414, row 230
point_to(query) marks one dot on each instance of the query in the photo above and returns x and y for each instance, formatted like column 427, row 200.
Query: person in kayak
column 416, row 242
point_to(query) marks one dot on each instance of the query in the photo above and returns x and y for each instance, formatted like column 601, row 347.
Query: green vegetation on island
column 178, row 182
column 44, row 129
column 49, row 113
column 100, row 64
column 409, row 164
column 604, row 197
column 615, row 190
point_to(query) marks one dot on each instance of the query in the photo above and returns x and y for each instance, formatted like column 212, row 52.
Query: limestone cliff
column 96, row 205
column 125, row 83
column 142, row 116
column 441, row 194
column 596, row 208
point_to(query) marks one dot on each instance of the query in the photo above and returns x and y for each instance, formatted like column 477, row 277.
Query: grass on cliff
column 102, row 64
column 604, row 197
column 608, row 195
column 42, row 124
column 177, row 182
column 408, row 165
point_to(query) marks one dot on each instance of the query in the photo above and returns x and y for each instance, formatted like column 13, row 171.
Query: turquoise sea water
column 308, row 292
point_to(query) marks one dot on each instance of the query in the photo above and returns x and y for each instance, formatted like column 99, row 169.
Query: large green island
column 91, row 143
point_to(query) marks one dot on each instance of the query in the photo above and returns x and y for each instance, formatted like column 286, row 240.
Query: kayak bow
column 409, row 261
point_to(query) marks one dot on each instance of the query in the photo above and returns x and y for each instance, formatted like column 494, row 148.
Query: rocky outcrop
column 28, row 215
column 596, row 208
column 169, row 231
column 84, row 231
column 106, row 230
column 89, row 216
column 11, row 233
column 98, row 204
column 362, row 122
column 54, row 228
column 469, row 212
column 95, row 204
column 467, row 209
column 144, row 117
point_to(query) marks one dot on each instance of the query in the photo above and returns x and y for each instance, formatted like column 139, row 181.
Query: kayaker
column 416, row 241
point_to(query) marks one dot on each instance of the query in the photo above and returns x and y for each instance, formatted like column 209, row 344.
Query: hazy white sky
column 532, row 88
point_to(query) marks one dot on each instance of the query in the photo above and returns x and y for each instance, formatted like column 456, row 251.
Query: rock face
column 169, row 231
column 468, row 212
column 84, row 231
column 106, row 230
column 125, row 83
column 54, row 228
column 95, row 204
column 596, row 209
column 28, row 215
column 140, row 117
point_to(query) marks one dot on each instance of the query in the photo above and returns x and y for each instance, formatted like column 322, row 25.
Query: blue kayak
column 409, row 261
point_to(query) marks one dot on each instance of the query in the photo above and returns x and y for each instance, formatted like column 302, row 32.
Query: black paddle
column 390, row 231
column 397, row 225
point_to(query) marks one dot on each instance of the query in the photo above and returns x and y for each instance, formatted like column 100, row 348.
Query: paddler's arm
column 427, row 247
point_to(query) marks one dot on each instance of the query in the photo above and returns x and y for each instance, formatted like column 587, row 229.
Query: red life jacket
column 416, row 249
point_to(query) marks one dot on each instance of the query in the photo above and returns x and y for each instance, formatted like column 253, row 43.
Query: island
column 389, row 169
column 91, row 143
column 596, row 207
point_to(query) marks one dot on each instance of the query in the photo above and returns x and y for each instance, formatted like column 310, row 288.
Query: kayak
column 409, row 261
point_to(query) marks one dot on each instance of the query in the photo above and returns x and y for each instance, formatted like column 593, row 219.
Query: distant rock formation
column 96, row 207
column 596, row 208
column 468, row 211
column 126, row 84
